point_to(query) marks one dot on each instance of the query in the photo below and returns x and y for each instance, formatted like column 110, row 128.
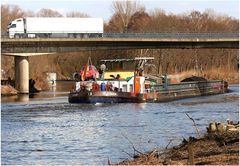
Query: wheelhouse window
column 13, row 26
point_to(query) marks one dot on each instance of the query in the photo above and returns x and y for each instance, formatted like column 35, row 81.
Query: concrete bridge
column 25, row 47
column 121, row 41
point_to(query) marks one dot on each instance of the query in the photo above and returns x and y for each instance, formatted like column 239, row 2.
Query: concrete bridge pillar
column 22, row 74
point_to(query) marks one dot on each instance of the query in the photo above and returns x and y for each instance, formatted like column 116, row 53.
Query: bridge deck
column 4, row 40
column 121, row 41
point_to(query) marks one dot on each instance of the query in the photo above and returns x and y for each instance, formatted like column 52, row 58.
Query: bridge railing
column 215, row 35
column 169, row 35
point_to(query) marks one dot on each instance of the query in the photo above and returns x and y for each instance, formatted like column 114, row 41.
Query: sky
column 102, row 8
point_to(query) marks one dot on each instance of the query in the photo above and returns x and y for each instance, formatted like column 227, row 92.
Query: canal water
column 45, row 129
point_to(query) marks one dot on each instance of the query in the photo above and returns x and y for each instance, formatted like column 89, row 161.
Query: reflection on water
column 15, row 98
column 47, row 130
column 22, row 98
column 62, row 88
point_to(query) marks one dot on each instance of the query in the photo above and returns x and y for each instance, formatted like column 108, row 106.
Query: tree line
column 132, row 17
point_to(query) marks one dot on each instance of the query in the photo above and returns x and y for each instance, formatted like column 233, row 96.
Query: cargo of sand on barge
column 133, row 86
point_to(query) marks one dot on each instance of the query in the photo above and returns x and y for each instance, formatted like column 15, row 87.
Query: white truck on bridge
column 55, row 27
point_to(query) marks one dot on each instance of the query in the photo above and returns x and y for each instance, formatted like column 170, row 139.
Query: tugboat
column 133, row 86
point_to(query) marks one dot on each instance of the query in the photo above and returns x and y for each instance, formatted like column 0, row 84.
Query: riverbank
column 8, row 90
column 211, row 149
column 7, row 87
column 232, row 77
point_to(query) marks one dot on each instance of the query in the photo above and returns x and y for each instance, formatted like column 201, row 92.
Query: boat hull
column 102, row 97
column 158, row 94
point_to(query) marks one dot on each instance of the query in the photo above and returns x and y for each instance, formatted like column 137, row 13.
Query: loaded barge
column 136, row 87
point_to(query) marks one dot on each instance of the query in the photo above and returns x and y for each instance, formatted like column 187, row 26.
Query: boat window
column 131, row 88
column 124, row 88
column 128, row 65
column 19, row 20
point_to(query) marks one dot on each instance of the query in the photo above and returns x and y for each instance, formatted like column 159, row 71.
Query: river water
column 46, row 130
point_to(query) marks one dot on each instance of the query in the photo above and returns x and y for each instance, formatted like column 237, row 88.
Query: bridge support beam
column 22, row 74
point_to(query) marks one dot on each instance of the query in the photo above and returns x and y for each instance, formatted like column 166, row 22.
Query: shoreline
column 221, row 148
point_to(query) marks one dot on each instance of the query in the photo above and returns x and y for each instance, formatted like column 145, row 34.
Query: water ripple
column 50, row 131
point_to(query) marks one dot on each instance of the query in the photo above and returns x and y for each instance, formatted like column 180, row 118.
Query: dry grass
column 219, row 149
column 231, row 76
column 8, row 90
column 41, row 82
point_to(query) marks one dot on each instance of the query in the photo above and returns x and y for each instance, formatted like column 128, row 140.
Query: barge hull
column 102, row 97
column 158, row 94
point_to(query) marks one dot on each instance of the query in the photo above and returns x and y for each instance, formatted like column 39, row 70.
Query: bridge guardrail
column 171, row 35
column 214, row 35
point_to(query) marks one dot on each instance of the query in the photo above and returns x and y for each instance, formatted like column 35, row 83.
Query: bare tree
column 158, row 22
column 139, row 22
column 115, row 24
column 48, row 13
column 123, row 11
column 8, row 14
column 77, row 14
column 29, row 13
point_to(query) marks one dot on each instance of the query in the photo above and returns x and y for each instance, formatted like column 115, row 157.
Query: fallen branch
column 169, row 143
column 194, row 125
column 127, row 153
column 135, row 150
